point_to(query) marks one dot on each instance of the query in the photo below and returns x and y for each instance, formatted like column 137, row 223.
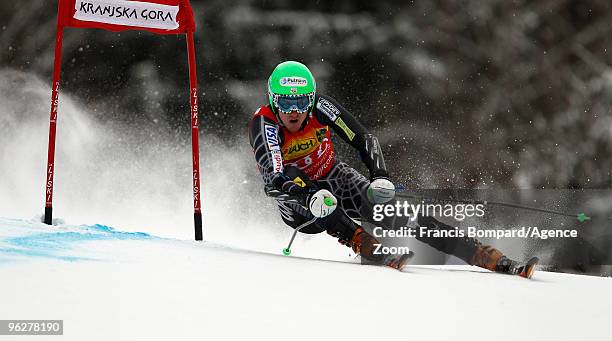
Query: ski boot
column 508, row 266
column 363, row 244
column 490, row 258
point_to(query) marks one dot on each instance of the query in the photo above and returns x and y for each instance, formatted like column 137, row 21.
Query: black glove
column 284, row 184
column 283, row 188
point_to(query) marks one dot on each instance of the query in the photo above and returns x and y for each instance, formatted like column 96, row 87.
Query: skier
column 290, row 137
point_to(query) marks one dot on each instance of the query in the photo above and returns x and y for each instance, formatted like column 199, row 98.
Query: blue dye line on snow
column 55, row 245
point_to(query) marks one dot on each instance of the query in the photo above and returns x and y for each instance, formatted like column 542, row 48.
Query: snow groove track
column 111, row 285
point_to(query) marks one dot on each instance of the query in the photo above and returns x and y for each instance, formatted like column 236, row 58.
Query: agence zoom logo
column 271, row 136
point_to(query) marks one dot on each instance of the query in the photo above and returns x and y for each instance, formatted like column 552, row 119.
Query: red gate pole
column 195, row 145
column 57, row 65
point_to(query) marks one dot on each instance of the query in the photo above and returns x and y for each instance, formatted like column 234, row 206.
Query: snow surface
column 111, row 285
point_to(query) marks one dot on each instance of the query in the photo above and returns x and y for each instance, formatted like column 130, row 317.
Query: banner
column 158, row 16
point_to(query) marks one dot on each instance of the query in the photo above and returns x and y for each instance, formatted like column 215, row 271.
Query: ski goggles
column 288, row 103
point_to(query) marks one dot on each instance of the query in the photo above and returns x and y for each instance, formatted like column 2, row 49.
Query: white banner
column 127, row 13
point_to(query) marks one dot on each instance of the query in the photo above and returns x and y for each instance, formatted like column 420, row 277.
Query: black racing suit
column 279, row 152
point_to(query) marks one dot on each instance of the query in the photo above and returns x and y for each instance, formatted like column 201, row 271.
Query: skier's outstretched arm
column 331, row 113
column 354, row 133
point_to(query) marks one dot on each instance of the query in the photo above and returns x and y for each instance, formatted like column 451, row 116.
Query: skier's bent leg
column 339, row 225
column 463, row 248
column 470, row 250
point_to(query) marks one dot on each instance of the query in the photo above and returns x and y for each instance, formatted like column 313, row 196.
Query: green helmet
column 291, row 86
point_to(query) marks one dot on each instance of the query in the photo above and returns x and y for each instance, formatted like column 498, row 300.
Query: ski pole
column 287, row 250
column 582, row 217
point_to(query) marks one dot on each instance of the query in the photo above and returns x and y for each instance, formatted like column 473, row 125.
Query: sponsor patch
column 298, row 181
column 293, row 81
column 277, row 161
column 321, row 134
column 327, row 108
column 324, row 168
column 271, row 133
column 271, row 136
column 349, row 133
column 300, row 147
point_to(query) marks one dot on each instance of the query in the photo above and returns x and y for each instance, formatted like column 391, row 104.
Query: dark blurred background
column 462, row 93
